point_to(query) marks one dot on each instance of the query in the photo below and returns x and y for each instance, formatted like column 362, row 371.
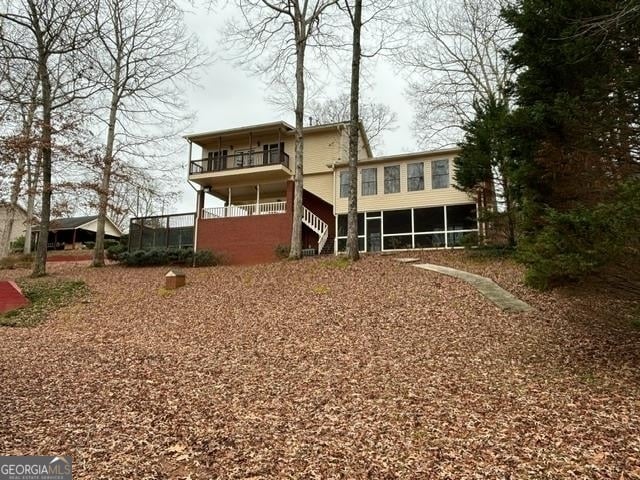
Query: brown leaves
column 304, row 370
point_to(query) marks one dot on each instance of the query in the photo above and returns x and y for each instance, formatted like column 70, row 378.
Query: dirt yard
column 314, row 369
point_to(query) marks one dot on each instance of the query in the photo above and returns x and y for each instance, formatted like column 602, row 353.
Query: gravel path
column 310, row 370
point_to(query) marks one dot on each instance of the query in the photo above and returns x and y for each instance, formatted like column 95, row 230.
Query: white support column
column 226, row 212
column 446, row 228
column 189, row 160
column 258, row 199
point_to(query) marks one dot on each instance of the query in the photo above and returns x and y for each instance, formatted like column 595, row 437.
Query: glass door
column 374, row 235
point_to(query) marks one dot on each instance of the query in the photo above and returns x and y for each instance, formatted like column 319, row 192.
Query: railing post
column 167, row 236
column 257, row 212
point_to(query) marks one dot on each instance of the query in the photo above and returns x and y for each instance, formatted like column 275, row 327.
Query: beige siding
column 321, row 149
column 18, row 223
column 321, row 185
column 404, row 198
column 109, row 229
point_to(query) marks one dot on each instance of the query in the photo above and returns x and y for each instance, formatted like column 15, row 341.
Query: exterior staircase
column 316, row 224
column 328, row 247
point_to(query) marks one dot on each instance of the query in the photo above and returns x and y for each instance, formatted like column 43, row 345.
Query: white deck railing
column 316, row 224
column 244, row 210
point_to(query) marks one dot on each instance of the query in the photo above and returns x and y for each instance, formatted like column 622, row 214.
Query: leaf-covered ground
column 316, row 370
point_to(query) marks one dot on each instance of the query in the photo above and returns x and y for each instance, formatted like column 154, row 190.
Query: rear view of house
column 404, row 201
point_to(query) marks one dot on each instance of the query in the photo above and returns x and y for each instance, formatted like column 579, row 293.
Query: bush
column 18, row 244
column 169, row 256
column 579, row 242
column 282, row 251
column 90, row 245
column 114, row 251
column 469, row 240
column 109, row 242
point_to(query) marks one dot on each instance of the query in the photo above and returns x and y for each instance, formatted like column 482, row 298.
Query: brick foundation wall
column 248, row 240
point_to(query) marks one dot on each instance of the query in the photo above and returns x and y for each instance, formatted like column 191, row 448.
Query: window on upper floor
column 344, row 184
column 415, row 177
column 392, row 179
column 439, row 173
column 369, row 181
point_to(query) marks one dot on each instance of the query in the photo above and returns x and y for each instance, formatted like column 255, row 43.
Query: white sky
column 231, row 97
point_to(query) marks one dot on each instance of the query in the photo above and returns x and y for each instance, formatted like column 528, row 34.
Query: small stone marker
column 174, row 279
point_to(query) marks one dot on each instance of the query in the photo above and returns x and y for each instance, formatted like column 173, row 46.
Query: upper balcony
column 237, row 157
column 236, row 161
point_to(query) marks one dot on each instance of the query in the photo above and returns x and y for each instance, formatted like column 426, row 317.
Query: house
column 73, row 233
column 405, row 201
column 19, row 222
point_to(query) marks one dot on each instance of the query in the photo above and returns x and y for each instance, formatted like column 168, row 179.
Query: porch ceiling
column 243, row 176
column 248, row 193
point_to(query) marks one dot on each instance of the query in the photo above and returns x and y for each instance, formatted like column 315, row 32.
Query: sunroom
column 411, row 228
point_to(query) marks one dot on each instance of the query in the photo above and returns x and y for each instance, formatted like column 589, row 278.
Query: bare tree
column 376, row 118
column 455, row 57
column 355, row 15
column 18, row 97
column 274, row 36
column 144, row 57
column 57, row 32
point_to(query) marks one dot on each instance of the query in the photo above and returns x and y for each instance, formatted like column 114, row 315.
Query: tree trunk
column 296, row 228
column 33, row 177
column 354, row 130
column 40, row 262
column 105, row 184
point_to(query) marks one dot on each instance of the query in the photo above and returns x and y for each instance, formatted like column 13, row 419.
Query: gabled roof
column 73, row 223
column 403, row 156
column 262, row 127
column 70, row 223
column 196, row 137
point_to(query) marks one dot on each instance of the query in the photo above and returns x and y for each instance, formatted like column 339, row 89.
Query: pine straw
column 307, row 370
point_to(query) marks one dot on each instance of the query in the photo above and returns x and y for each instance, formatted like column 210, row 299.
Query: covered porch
column 244, row 200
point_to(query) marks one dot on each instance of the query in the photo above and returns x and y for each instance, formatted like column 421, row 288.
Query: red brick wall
column 248, row 240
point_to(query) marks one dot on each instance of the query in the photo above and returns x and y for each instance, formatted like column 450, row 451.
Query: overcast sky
column 231, row 97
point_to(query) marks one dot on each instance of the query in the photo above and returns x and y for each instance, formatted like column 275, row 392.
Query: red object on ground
column 11, row 297
column 80, row 257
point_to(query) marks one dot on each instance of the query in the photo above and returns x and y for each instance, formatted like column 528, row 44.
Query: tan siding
column 321, row 149
column 320, row 185
column 18, row 223
column 404, row 198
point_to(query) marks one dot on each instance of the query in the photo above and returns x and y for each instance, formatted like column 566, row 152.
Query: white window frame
column 399, row 183
column 368, row 183
column 409, row 177
column 345, row 174
column 434, row 176
column 413, row 233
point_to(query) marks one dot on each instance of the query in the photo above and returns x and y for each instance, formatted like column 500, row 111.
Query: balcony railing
column 258, row 158
column 244, row 210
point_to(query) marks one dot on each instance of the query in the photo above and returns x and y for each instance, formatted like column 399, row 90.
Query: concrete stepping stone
column 498, row 295
column 407, row 260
